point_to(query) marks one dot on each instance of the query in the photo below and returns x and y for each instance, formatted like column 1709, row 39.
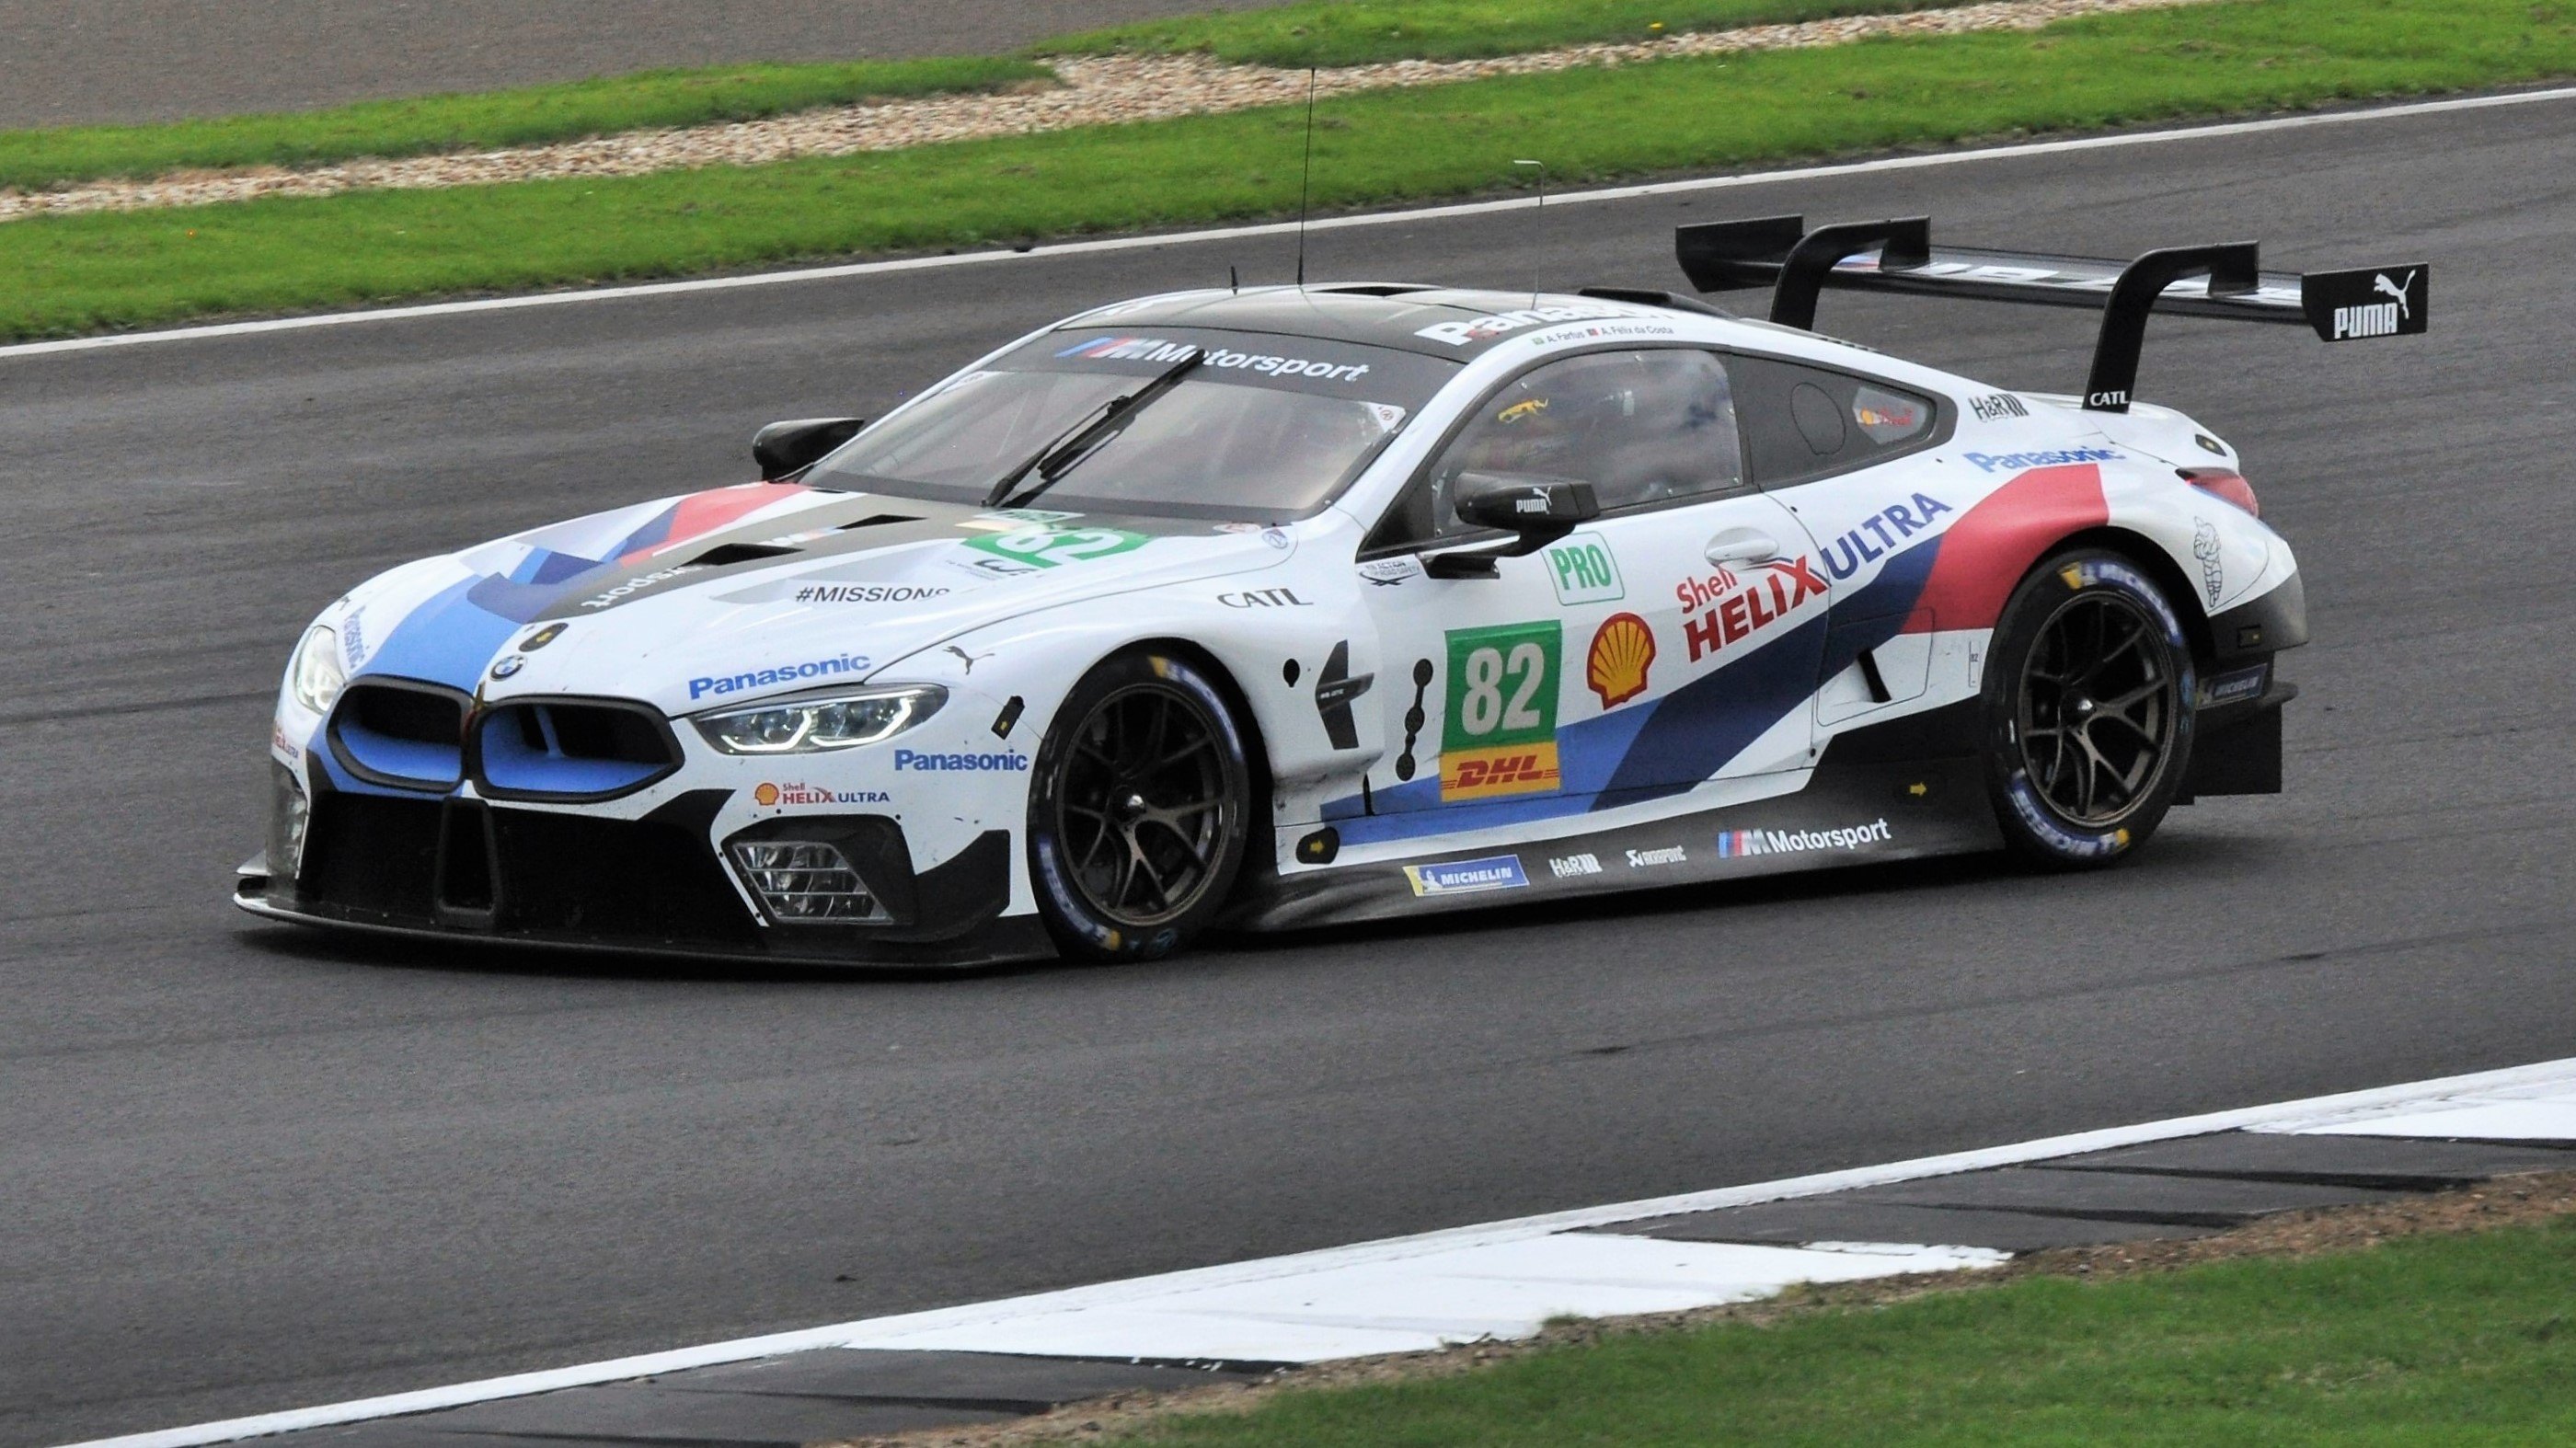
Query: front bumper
column 463, row 869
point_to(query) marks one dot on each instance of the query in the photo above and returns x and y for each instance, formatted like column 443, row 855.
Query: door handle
column 1743, row 545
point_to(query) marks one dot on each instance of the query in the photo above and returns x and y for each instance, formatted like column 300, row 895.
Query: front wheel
column 1137, row 811
column 2088, row 710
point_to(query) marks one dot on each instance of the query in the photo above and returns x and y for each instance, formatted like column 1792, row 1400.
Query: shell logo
column 1623, row 650
column 765, row 796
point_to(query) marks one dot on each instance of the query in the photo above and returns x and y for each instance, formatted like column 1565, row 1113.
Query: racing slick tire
column 1138, row 809
column 2088, row 711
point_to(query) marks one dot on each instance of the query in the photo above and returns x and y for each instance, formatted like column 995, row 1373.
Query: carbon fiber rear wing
column 2199, row 281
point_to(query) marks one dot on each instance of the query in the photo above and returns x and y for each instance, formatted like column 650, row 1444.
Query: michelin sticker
column 1464, row 877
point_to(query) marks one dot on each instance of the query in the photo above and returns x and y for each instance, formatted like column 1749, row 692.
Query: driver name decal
column 1499, row 324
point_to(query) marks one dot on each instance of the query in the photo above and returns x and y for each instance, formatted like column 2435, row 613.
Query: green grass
column 39, row 158
column 71, row 274
column 2431, row 1340
column 1318, row 33
column 1340, row 32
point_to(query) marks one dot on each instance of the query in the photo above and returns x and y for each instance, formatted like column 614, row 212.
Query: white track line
column 2548, row 1077
column 1284, row 228
column 2531, row 1111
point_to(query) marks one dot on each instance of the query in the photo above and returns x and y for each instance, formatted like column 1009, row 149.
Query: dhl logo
column 1486, row 773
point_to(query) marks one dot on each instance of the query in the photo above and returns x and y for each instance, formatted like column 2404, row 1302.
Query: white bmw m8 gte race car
column 1294, row 605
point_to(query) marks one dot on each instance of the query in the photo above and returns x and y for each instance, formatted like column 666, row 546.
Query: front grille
column 566, row 749
column 402, row 734
column 625, row 879
column 379, row 858
column 465, row 880
column 372, row 856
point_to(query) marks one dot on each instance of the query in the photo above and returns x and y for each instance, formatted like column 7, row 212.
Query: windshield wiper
column 1071, row 446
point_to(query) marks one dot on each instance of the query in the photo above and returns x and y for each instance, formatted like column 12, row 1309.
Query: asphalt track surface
column 246, row 1168
column 64, row 62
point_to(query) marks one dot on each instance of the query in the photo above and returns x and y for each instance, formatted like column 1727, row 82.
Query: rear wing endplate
column 2197, row 281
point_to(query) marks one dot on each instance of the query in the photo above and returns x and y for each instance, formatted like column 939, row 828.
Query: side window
column 1804, row 422
column 1641, row 427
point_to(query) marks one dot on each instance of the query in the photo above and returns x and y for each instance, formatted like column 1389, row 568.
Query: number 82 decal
column 1499, row 734
column 1047, row 547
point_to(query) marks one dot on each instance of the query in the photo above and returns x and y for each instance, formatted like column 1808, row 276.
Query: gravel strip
column 1094, row 90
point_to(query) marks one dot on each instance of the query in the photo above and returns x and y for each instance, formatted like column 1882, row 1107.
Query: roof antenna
column 1306, row 177
column 1542, row 206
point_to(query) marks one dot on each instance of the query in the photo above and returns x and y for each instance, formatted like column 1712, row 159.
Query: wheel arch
column 1075, row 922
column 1260, row 848
column 1256, row 746
column 2159, row 565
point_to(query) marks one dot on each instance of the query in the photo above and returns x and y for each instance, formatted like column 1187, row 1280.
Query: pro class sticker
column 1584, row 570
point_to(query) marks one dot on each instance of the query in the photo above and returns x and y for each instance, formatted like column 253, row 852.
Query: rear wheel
column 2088, row 709
column 1137, row 813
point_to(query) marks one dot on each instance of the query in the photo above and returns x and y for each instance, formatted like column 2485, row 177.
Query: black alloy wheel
column 2098, row 708
column 1137, row 815
column 2089, row 702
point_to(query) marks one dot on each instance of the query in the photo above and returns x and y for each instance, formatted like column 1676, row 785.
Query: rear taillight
column 2224, row 483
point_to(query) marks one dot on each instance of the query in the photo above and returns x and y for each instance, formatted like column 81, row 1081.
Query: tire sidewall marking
column 1049, row 876
column 2077, row 574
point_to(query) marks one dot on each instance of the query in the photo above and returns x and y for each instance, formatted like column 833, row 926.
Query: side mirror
column 1526, row 503
column 793, row 446
column 1538, row 509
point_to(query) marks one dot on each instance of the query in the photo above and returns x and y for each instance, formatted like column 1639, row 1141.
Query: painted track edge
column 646, row 290
column 869, row 1331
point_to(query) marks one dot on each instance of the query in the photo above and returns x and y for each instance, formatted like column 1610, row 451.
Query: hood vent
column 741, row 553
column 729, row 553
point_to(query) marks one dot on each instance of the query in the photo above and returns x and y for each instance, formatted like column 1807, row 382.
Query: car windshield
column 1263, row 428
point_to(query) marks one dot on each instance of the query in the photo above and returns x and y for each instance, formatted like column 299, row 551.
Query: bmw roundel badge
column 508, row 666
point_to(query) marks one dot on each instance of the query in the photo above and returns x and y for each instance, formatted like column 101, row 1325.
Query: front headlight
column 316, row 676
column 810, row 726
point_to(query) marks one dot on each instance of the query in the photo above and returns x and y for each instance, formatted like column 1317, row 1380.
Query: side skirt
column 1858, row 808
